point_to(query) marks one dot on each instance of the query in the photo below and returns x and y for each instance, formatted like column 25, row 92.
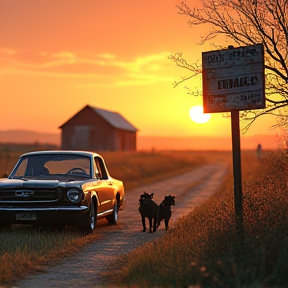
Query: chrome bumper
column 43, row 209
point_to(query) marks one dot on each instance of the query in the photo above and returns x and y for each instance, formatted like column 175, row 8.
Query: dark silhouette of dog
column 146, row 196
column 165, row 211
column 148, row 209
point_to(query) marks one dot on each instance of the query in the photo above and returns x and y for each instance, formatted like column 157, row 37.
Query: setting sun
column 124, row 72
column 197, row 115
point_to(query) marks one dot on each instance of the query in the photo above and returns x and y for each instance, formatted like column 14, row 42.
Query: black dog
column 146, row 196
column 165, row 211
column 148, row 209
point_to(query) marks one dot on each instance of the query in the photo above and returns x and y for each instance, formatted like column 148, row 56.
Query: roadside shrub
column 203, row 249
column 24, row 250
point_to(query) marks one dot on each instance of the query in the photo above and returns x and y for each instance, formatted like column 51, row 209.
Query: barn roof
column 115, row 119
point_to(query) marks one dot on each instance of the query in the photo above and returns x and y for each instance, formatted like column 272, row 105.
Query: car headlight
column 74, row 195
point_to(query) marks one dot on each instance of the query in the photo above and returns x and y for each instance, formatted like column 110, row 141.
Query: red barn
column 97, row 129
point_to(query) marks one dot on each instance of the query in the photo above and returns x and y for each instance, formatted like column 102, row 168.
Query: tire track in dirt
column 85, row 268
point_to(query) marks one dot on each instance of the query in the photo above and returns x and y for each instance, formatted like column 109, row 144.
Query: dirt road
column 85, row 267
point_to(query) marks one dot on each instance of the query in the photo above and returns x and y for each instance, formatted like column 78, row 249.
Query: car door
column 105, row 188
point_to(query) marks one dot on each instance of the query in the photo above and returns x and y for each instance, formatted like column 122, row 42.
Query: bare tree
column 247, row 22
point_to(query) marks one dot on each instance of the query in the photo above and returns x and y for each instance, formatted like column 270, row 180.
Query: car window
column 100, row 170
column 62, row 167
column 20, row 172
column 52, row 164
column 97, row 169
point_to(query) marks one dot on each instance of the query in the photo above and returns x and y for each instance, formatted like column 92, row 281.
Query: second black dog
column 148, row 209
column 165, row 211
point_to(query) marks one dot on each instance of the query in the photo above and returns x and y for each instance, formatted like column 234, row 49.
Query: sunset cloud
column 138, row 71
column 8, row 52
column 62, row 55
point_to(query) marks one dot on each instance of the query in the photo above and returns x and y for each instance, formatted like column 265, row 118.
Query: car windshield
column 52, row 166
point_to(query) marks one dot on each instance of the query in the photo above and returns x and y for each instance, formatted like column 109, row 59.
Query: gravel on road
column 85, row 267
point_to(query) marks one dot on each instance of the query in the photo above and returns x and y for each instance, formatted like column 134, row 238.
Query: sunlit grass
column 202, row 249
column 154, row 165
column 25, row 250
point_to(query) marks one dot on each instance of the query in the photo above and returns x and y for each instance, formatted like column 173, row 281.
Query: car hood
column 15, row 183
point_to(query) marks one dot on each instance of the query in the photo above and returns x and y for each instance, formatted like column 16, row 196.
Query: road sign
column 233, row 79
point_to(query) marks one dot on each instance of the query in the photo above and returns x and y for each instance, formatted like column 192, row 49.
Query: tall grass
column 136, row 168
column 202, row 249
column 22, row 250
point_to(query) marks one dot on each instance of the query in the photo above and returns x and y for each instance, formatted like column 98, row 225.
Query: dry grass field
column 25, row 250
column 203, row 251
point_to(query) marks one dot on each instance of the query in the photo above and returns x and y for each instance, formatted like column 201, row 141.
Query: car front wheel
column 112, row 219
column 89, row 221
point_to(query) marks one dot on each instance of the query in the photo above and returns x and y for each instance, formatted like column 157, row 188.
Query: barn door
column 81, row 137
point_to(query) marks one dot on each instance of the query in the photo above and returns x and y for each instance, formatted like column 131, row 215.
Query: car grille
column 28, row 195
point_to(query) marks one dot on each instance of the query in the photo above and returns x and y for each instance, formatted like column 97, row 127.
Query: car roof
column 67, row 152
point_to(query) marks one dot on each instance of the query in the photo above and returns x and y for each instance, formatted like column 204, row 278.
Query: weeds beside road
column 202, row 250
column 23, row 251
column 87, row 267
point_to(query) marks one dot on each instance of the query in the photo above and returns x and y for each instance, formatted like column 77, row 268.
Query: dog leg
column 166, row 223
column 155, row 225
column 143, row 224
column 150, row 225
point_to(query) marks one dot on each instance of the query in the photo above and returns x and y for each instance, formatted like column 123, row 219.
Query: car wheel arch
column 94, row 196
column 118, row 198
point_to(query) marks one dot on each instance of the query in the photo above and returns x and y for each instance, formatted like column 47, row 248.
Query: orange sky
column 56, row 56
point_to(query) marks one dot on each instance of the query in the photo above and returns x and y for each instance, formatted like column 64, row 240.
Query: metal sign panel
column 233, row 79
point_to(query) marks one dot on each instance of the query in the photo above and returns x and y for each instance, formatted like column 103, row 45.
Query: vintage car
column 53, row 188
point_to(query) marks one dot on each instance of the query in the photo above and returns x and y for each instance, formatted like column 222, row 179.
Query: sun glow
column 197, row 115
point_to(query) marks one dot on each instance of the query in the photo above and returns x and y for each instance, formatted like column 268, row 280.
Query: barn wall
column 125, row 140
column 66, row 137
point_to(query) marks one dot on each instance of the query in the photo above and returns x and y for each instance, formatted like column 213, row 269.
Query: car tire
column 88, row 224
column 113, row 218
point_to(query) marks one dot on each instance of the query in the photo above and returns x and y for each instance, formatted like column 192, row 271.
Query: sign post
column 238, row 199
column 233, row 80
